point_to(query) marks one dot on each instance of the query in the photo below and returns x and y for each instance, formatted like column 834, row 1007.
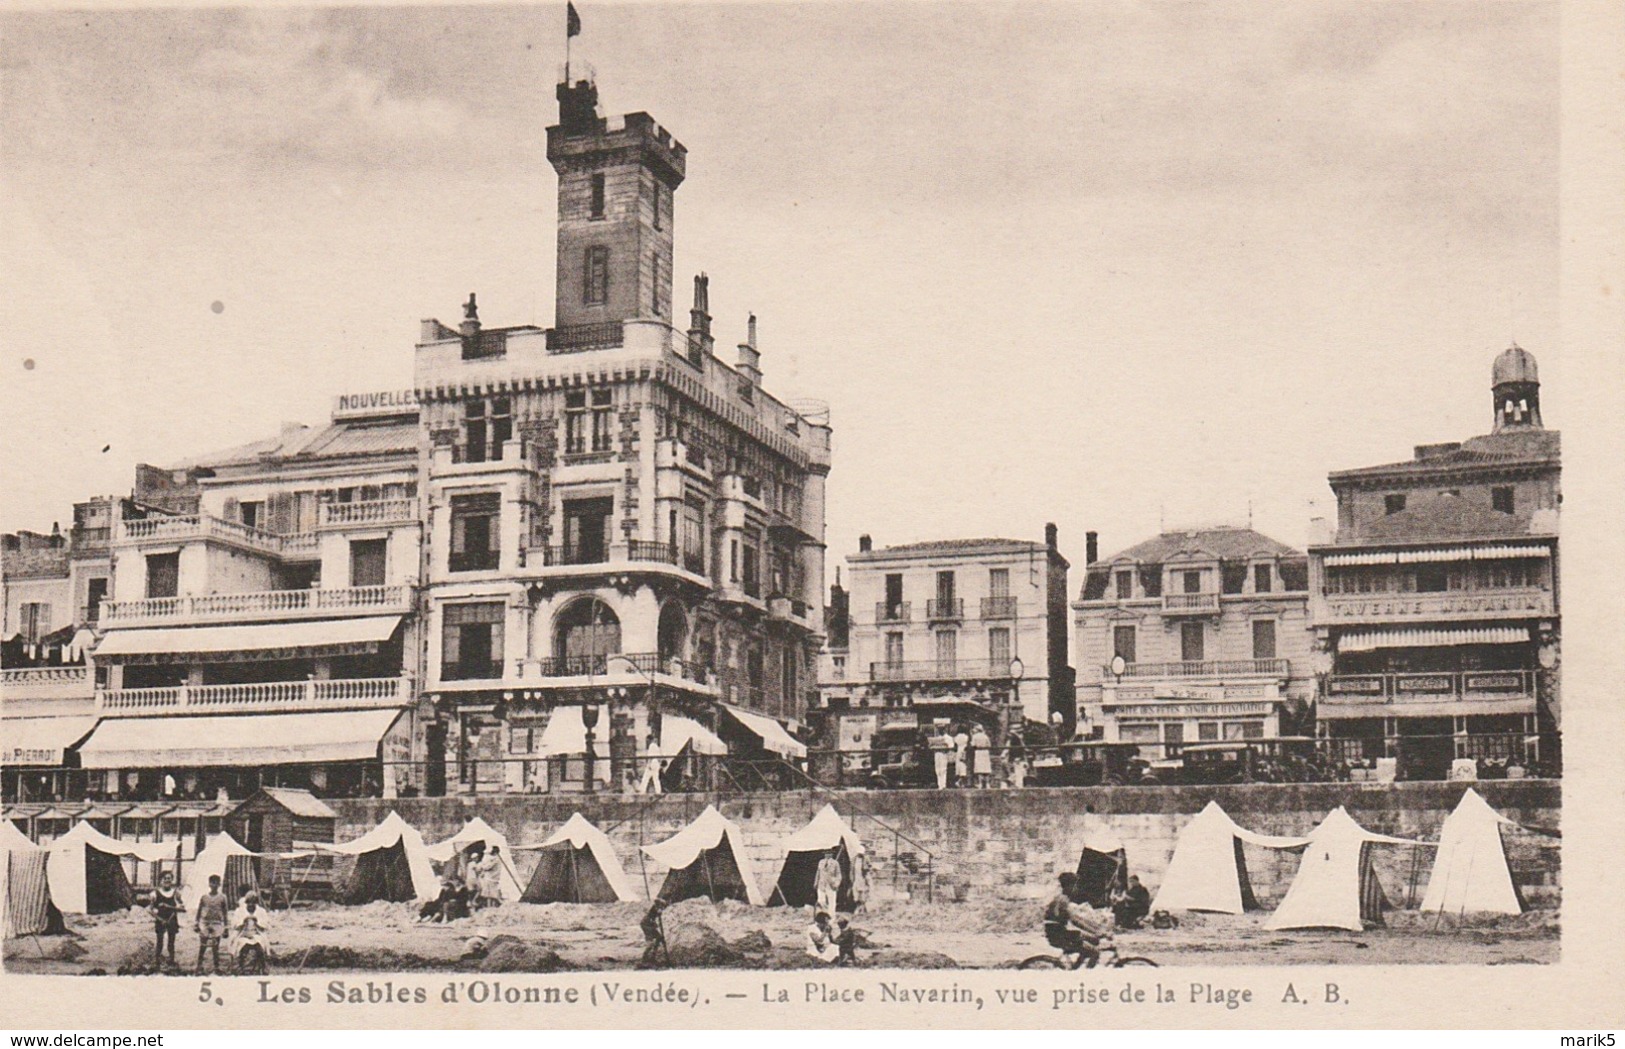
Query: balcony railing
column 938, row 609
column 259, row 697
column 1205, row 668
column 370, row 512
column 622, row 664
column 1429, row 687
column 45, row 683
column 1449, row 605
column 940, row 670
column 472, row 670
column 188, row 527
column 633, row 550
column 577, row 338
column 1190, row 604
column 473, row 560
column 998, row 608
column 894, row 613
column 262, row 604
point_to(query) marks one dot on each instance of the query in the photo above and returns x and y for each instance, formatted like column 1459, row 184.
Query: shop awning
column 1440, row 709
column 677, row 732
column 40, row 741
column 566, row 733
column 770, row 732
column 1371, row 640
column 323, row 635
column 1438, row 553
column 249, row 739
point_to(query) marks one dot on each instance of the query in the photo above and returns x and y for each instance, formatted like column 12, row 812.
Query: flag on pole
column 572, row 21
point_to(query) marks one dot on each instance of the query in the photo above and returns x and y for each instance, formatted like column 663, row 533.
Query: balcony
column 580, row 338
column 1278, row 668
column 1461, row 605
column 259, row 606
column 191, row 527
column 893, row 613
column 371, row 512
column 998, row 608
column 634, row 550
column 472, row 670
column 939, row 610
column 1444, row 686
column 473, row 560
column 35, row 683
column 622, row 668
column 941, row 670
column 1190, row 604
column 785, row 608
column 257, row 698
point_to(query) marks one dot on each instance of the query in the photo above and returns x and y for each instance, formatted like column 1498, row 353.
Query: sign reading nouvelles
column 383, row 402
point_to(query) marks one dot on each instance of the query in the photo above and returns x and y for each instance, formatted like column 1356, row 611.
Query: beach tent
column 802, row 852
column 391, row 863
column 577, row 864
column 216, row 859
column 1208, row 871
column 478, row 832
column 1336, row 885
column 86, row 873
column 1102, row 867
column 706, row 858
column 1471, row 871
column 25, row 892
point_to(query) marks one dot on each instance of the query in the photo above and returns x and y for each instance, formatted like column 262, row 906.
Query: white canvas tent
column 212, row 860
column 803, row 850
column 563, row 874
column 1336, row 886
column 477, row 831
column 383, row 855
column 24, row 890
column 85, row 873
column 1208, row 871
column 707, row 858
column 1471, row 872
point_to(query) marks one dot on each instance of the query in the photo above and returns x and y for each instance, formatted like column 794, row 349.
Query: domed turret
column 1515, row 382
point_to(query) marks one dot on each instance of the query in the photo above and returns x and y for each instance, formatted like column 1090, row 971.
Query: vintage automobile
column 1085, row 763
column 902, row 759
column 1281, row 759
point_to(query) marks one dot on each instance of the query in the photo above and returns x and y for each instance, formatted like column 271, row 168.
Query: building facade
column 1211, row 630
column 951, row 631
column 1435, row 605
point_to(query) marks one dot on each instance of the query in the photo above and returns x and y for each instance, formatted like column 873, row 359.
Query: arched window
column 673, row 632
column 585, row 632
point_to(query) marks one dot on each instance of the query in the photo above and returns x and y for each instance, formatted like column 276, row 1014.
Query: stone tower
column 616, row 184
column 1516, row 385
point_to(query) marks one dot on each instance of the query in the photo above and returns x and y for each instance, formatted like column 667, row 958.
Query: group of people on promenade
column 962, row 756
column 246, row 925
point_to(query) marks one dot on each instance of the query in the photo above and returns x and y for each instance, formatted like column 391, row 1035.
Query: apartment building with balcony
column 261, row 625
column 622, row 527
column 1195, row 636
column 959, row 631
column 1435, row 603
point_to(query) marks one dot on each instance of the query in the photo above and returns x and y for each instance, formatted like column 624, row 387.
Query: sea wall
column 1009, row 844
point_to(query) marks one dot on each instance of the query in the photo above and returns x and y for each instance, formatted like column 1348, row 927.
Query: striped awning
column 1499, row 552
column 1371, row 640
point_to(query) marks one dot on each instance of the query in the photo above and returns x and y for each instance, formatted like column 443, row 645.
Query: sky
column 1119, row 266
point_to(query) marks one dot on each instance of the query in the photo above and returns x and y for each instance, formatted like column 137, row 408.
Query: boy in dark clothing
column 654, row 936
column 166, row 911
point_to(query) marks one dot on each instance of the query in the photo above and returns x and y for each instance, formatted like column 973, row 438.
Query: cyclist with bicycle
column 1073, row 928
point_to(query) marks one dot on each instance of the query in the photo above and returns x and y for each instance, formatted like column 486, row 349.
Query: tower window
column 595, row 276
column 603, row 420
column 1503, row 499
column 598, row 195
column 654, row 199
column 1393, row 504
column 654, row 284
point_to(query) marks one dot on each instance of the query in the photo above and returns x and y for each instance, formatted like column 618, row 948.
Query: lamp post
column 589, row 721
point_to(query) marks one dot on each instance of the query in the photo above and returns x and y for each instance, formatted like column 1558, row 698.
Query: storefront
column 37, row 763
column 1180, row 716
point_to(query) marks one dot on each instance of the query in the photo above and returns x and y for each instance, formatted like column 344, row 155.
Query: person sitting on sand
column 1130, row 905
column 846, row 941
column 437, row 909
column 250, row 928
column 821, row 939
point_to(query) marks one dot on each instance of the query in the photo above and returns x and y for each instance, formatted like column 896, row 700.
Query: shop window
column 1139, row 733
column 1207, row 731
column 475, row 532
column 471, row 642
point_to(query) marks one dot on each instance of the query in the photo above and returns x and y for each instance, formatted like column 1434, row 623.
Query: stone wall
column 1004, row 844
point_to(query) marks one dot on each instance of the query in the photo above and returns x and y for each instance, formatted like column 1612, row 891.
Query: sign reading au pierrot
column 378, row 402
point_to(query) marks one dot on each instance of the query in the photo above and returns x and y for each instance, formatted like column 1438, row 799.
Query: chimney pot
column 1091, row 547
column 1051, row 535
column 865, row 544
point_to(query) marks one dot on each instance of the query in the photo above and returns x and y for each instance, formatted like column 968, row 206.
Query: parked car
column 902, row 759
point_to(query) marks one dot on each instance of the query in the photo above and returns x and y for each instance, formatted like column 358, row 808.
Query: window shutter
column 451, row 643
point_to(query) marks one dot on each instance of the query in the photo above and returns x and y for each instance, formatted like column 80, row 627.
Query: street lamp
column 589, row 721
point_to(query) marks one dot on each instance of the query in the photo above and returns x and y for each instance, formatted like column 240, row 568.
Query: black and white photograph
column 900, row 499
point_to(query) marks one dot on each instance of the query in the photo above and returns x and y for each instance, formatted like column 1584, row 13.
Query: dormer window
column 1191, row 582
column 1125, row 585
column 1262, row 579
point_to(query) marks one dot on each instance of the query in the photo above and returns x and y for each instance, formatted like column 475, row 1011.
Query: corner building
column 622, row 528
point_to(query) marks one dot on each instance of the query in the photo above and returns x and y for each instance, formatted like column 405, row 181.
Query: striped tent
column 26, row 894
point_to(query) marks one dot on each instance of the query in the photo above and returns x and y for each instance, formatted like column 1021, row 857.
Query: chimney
column 470, row 328
column 700, row 342
column 750, row 358
column 1051, row 535
column 1091, row 547
column 865, row 544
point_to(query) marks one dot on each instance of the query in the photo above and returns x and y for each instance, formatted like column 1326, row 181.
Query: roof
column 950, row 547
column 1521, row 447
column 301, row 803
column 1227, row 544
column 358, row 437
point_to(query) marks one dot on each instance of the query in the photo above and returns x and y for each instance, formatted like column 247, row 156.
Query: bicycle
column 1109, row 958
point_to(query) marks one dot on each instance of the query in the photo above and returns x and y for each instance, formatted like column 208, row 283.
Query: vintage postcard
column 810, row 514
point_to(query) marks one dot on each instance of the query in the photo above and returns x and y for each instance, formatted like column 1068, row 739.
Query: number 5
column 203, row 994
